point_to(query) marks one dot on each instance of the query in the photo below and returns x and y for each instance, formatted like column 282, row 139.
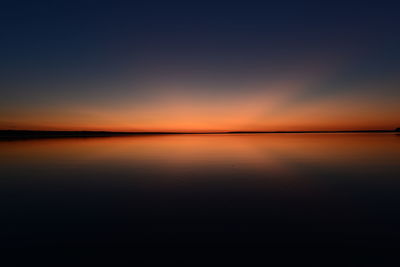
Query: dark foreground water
column 270, row 190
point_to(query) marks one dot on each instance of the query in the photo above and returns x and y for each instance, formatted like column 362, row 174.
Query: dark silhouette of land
column 30, row 134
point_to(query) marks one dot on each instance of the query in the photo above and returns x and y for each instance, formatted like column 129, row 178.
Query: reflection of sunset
column 200, row 124
column 275, row 155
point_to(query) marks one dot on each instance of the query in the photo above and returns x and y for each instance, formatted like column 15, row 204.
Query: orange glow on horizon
column 275, row 109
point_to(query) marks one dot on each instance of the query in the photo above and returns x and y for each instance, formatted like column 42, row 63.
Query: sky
column 199, row 65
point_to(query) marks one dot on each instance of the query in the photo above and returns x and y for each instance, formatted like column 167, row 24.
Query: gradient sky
column 199, row 65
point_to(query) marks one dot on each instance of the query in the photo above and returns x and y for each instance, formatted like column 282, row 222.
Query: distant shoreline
column 31, row 134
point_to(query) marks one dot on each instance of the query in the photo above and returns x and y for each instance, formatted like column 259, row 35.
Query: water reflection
column 143, row 189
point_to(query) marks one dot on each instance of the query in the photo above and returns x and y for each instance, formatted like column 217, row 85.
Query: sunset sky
column 199, row 65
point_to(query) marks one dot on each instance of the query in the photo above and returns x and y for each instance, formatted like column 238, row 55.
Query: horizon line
column 105, row 132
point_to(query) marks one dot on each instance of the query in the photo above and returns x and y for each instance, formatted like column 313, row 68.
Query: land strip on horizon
column 28, row 134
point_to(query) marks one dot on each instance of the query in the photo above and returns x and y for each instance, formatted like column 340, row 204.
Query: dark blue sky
column 99, row 53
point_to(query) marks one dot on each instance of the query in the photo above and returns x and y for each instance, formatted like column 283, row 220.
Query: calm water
column 277, row 190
